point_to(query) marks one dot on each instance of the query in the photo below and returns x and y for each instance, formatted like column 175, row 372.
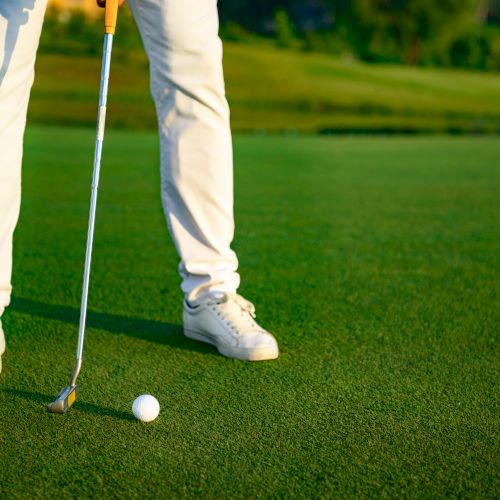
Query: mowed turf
column 277, row 90
column 374, row 261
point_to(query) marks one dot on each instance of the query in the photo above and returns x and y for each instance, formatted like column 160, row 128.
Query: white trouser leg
column 187, row 85
column 20, row 26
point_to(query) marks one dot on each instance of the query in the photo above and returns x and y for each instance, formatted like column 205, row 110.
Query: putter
column 67, row 396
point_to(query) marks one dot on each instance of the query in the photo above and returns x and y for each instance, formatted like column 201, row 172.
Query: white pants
column 185, row 54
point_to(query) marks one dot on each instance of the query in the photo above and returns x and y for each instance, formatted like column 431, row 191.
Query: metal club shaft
column 101, row 119
column 67, row 396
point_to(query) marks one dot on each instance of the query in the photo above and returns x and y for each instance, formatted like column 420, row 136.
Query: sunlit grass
column 281, row 90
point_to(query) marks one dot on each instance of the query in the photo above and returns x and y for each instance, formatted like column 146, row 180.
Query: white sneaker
column 2, row 344
column 227, row 322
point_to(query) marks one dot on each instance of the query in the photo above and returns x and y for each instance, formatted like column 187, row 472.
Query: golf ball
column 146, row 408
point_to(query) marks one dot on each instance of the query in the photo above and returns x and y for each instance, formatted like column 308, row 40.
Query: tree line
column 458, row 33
column 463, row 33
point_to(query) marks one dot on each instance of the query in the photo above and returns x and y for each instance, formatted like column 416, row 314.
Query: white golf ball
column 146, row 408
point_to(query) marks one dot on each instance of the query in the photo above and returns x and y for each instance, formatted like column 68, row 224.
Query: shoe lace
column 236, row 311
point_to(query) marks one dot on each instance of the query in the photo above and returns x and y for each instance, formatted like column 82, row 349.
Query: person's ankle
column 203, row 297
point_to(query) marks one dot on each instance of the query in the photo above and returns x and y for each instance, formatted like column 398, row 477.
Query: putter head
column 64, row 401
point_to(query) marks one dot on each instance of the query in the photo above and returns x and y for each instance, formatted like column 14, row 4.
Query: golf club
column 67, row 396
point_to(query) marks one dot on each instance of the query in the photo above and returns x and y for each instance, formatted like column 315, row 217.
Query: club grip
column 110, row 15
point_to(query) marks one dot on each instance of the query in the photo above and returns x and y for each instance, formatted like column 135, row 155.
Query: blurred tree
column 285, row 31
column 445, row 32
column 397, row 30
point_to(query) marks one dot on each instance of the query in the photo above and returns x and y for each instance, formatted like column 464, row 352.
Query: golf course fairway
column 373, row 260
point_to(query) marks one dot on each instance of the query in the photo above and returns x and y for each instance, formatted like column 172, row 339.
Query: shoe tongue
column 233, row 301
column 244, row 304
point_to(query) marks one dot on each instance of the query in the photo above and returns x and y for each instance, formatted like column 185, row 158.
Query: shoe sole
column 241, row 353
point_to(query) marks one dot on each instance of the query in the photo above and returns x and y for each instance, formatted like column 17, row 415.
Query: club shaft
column 101, row 119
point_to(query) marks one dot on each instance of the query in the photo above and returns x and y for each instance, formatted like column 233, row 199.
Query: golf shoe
column 227, row 322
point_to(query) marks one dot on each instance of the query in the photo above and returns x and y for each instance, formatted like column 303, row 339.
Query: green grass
column 273, row 90
column 374, row 261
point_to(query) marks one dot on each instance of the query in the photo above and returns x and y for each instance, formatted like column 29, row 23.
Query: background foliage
column 308, row 66
column 458, row 33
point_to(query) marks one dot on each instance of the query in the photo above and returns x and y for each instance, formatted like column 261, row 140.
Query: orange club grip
column 110, row 15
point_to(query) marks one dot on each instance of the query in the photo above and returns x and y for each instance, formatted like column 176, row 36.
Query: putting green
column 374, row 261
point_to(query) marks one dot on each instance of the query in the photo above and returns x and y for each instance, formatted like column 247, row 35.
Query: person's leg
column 185, row 54
column 20, row 26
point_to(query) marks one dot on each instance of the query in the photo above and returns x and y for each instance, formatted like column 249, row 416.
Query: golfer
column 185, row 54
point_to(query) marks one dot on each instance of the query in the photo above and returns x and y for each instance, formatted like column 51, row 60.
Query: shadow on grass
column 145, row 329
column 44, row 400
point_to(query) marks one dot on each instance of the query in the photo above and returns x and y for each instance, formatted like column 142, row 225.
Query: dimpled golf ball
column 146, row 408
